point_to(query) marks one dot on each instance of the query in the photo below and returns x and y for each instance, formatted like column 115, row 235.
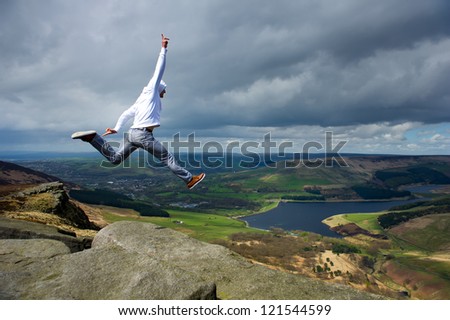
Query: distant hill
column 14, row 178
column 11, row 173
column 364, row 177
column 241, row 190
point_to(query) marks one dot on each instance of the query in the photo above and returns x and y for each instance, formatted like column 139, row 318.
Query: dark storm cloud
column 386, row 25
column 346, row 63
column 254, row 64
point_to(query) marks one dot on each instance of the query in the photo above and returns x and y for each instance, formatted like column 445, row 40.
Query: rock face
column 132, row 260
column 52, row 198
column 104, row 273
column 235, row 277
column 49, row 204
column 18, row 229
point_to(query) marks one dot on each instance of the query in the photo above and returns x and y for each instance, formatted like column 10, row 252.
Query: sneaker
column 196, row 180
column 84, row 135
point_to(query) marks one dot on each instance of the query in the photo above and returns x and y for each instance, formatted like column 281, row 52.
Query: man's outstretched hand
column 109, row 131
column 164, row 41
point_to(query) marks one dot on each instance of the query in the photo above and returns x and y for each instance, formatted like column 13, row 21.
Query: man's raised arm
column 160, row 65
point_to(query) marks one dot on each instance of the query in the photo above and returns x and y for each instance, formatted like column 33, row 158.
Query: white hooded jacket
column 147, row 108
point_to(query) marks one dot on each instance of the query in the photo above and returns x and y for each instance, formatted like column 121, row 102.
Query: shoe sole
column 81, row 134
column 193, row 186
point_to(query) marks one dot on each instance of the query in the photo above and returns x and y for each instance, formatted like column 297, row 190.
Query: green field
column 202, row 226
column 367, row 221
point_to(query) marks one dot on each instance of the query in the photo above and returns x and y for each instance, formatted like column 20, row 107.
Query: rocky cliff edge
column 134, row 260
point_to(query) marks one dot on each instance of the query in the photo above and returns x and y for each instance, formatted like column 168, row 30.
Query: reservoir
column 308, row 216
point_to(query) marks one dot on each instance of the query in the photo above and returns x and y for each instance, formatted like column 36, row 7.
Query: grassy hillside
column 416, row 254
column 429, row 233
column 205, row 227
column 412, row 256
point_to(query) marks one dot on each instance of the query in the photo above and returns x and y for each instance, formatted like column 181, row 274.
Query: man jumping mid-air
column 146, row 113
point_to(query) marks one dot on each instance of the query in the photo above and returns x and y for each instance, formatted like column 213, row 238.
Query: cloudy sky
column 375, row 73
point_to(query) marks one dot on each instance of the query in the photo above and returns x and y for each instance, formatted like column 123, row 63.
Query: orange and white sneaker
column 196, row 180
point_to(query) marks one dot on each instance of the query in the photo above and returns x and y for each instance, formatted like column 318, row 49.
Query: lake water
column 308, row 216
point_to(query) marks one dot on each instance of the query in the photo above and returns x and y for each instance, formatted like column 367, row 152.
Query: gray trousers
column 140, row 138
